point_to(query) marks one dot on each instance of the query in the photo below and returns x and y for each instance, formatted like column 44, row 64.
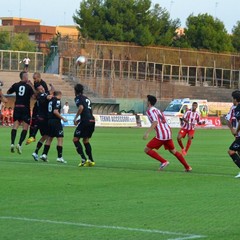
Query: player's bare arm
column 153, row 125
column 235, row 132
column 80, row 109
column 52, row 88
column 229, row 125
column 185, row 120
column 49, row 97
column 232, row 129
column 57, row 114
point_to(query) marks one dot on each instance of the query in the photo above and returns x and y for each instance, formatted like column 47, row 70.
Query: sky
column 225, row 10
column 55, row 12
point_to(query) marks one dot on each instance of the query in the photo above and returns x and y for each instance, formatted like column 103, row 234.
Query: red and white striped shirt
column 163, row 130
column 231, row 118
column 192, row 119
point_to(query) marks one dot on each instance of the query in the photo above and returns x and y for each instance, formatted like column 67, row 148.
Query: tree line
column 17, row 42
column 140, row 22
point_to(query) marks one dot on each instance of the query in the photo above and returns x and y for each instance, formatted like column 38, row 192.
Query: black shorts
column 42, row 125
column 22, row 114
column 34, row 111
column 34, row 117
column 55, row 128
column 84, row 130
column 235, row 146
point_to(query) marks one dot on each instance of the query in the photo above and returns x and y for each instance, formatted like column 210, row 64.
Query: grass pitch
column 123, row 196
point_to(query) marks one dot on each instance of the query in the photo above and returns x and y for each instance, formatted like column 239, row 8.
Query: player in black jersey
column 55, row 128
column 24, row 91
column 85, row 126
column 33, row 125
column 42, row 116
column 234, row 149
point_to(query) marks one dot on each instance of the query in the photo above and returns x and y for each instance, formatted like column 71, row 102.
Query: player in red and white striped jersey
column 163, row 136
column 163, row 130
column 190, row 119
column 231, row 120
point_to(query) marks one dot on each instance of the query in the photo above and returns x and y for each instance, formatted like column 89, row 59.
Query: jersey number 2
column 88, row 103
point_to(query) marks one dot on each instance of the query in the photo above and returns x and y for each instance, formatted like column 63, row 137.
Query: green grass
column 123, row 196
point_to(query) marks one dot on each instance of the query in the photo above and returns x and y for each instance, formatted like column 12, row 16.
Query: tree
column 162, row 27
column 21, row 42
column 205, row 32
column 128, row 20
column 5, row 41
column 16, row 42
column 236, row 36
column 143, row 36
column 180, row 41
column 90, row 19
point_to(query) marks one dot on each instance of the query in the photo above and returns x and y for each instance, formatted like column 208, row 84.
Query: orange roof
column 22, row 19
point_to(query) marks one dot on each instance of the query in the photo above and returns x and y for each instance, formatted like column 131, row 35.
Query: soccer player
column 163, row 136
column 235, row 146
column 85, row 126
column 42, row 116
column 24, row 91
column 33, row 125
column 55, row 128
column 190, row 118
column 26, row 62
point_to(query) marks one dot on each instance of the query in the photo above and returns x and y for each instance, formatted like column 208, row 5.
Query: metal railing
column 152, row 71
column 11, row 61
column 51, row 57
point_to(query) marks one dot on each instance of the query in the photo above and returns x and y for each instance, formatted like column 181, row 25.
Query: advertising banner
column 211, row 122
column 106, row 120
column 115, row 120
column 144, row 121
column 130, row 121
column 173, row 121
column 70, row 118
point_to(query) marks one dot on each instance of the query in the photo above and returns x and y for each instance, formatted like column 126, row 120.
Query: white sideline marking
column 181, row 236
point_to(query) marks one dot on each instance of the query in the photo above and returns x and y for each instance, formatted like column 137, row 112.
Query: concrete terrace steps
column 87, row 91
